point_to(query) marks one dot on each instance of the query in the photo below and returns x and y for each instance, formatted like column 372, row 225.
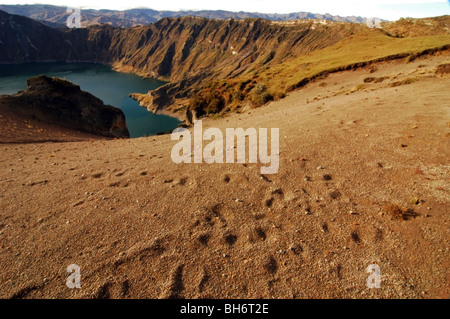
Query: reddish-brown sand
column 140, row 226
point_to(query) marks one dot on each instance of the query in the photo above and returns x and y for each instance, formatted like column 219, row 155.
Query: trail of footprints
column 209, row 224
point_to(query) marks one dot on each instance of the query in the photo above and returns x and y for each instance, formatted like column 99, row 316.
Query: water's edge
column 103, row 81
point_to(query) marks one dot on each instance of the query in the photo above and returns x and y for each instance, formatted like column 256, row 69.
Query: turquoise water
column 111, row 87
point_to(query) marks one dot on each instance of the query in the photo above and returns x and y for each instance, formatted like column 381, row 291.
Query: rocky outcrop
column 59, row 102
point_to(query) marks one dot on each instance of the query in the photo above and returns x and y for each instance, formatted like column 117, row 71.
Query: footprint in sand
column 97, row 175
column 112, row 290
column 260, row 233
column 203, row 281
column 230, row 239
column 204, row 238
column 271, row 266
column 176, row 286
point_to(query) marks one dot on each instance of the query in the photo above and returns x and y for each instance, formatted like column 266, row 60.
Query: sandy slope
column 140, row 226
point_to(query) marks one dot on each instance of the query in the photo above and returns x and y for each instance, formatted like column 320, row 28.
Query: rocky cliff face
column 59, row 102
column 22, row 40
column 181, row 48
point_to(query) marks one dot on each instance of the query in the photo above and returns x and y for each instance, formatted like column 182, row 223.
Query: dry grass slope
column 366, row 46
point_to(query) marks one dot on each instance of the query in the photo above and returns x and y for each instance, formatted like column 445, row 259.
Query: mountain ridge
column 56, row 15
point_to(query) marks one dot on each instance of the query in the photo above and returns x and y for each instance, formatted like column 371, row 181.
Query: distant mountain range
column 55, row 16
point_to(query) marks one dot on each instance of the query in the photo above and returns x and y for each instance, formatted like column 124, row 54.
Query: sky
column 384, row 9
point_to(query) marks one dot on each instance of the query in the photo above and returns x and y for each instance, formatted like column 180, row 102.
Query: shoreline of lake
column 111, row 86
